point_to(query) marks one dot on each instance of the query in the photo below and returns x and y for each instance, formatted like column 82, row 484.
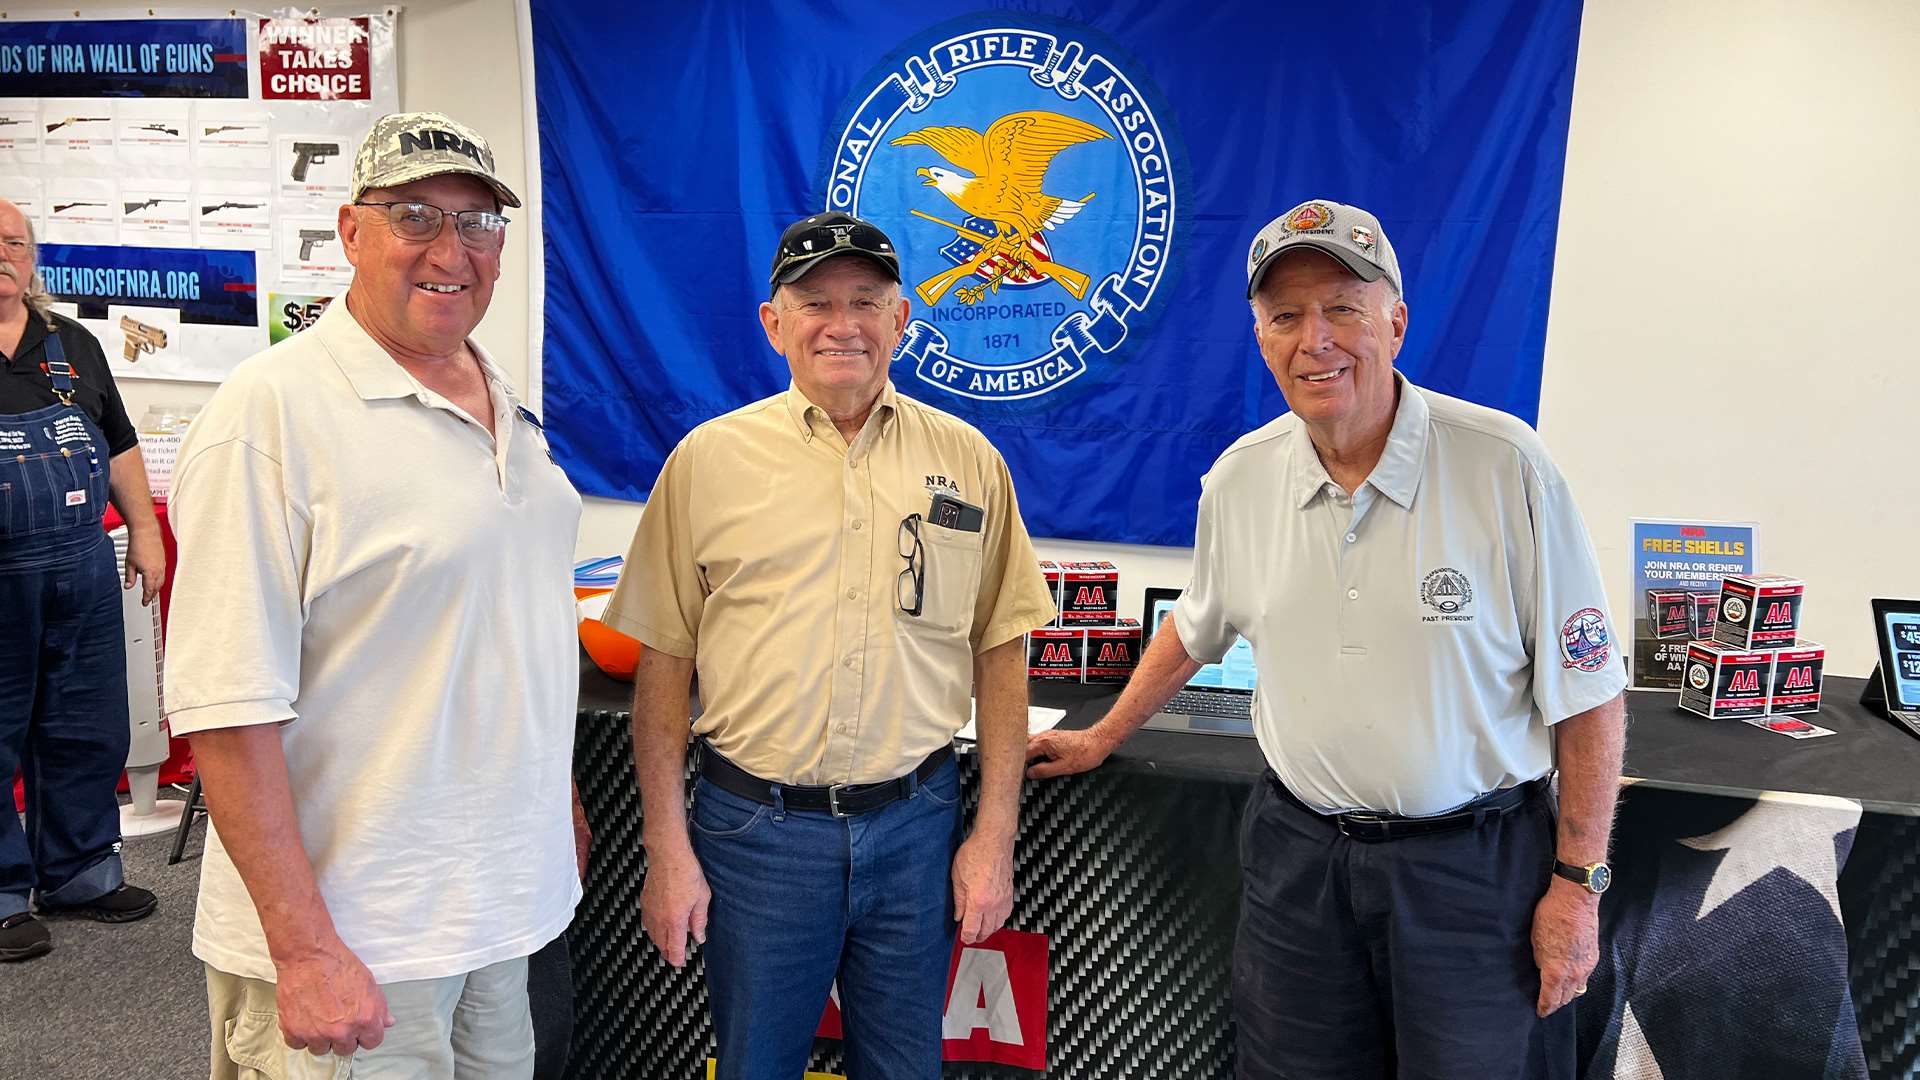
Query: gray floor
column 122, row 1002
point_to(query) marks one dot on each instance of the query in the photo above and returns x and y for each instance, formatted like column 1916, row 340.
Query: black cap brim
column 1361, row 268
column 796, row 269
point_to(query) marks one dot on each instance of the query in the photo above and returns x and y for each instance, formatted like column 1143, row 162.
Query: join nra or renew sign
column 996, row 1002
column 1027, row 182
column 315, row 60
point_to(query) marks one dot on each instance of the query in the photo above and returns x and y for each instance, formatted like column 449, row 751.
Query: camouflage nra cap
column 404, row 147
column 1347, row 233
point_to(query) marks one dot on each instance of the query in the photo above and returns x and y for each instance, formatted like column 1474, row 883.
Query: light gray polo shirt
column 1416, row 639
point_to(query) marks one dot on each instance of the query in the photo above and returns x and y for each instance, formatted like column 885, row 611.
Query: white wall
column 1737, row 227
column 1737, row 233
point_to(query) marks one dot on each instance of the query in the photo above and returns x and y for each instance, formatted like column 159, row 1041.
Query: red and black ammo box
column 1056, row 654
column 1759, row 611
column 1050, row 570
column 1669, row 613
column 1722, row 682
column 1796, row 678
column 1706, row 611
column 1089, row 594
column 1113, row 651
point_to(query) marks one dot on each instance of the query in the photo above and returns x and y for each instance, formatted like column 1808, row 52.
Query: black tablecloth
column 1131, row 872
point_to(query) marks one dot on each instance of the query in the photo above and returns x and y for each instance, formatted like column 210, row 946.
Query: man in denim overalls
column 66, row 448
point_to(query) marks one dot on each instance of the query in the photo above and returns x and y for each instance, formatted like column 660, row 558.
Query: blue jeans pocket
column 944, row 788
column 723, row 815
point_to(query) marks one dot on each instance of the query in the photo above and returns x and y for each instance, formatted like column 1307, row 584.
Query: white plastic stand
column 147, row 815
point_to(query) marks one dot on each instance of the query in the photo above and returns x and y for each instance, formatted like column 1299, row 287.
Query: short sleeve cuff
column 229, row 714
column 1197, row 646
column 1587, row 694
column 652, row 638
column 1003, row 630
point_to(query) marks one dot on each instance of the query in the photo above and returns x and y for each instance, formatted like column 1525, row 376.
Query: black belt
column 840, row 800
column 1371, row 827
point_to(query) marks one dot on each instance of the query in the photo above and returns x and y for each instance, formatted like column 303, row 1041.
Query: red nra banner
column 996, row 1002
column 315, row 60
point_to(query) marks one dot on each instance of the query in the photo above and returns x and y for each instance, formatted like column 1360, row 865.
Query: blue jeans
column 802, row 898
column 63, row 716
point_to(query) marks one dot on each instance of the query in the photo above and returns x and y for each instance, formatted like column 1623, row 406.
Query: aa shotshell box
column 1113, row 652
column 1706, row 611
column 1089, row 594
column 1050, row 570
column 1796, row 678
column 1669, row 613
column 1055, row 654
column 1721, row 682
column 1759, row 611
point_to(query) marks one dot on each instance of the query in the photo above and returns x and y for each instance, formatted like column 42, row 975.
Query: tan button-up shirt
column 770, row 553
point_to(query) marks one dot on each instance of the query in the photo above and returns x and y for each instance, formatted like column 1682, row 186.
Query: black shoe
column 124, row 904
column 23, row 937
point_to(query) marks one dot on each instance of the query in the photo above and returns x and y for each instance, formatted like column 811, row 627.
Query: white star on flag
column 1784, row 830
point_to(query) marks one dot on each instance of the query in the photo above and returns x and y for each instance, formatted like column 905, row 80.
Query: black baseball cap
column 810, row 240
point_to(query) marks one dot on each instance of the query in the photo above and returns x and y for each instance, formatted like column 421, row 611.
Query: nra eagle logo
column 1029, row 188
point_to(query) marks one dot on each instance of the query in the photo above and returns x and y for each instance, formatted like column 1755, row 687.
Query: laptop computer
column 1218, row 700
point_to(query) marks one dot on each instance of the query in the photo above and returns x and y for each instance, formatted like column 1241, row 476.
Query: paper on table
column 1038, row 720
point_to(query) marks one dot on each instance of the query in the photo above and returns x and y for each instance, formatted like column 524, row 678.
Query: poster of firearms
column 311, row 253
column 181, row 171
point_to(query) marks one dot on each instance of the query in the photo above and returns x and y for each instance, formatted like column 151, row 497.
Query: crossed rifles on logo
column 1007, row 165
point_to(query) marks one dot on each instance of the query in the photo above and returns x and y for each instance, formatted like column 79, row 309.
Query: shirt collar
column 804, row 413
column 371, row 371
column 33, row 335
column 1396, row 475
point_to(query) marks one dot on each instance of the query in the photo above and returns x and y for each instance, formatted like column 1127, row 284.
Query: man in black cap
column 846, row 566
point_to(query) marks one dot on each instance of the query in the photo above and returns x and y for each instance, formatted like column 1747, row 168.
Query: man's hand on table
column 1063, row 753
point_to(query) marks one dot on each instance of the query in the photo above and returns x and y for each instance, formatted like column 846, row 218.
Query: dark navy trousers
column 63, row 669
column 1408, row 959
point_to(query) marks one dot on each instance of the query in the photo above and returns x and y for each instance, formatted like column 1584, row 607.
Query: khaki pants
column 463, row 1027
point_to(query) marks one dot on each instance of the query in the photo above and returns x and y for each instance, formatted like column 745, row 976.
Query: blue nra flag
column 1072, row 190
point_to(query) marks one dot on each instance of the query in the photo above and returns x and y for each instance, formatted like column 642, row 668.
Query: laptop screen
column 1900, row 637
column 1234, row 671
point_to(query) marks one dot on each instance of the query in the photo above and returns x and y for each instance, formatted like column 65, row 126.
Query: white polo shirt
column 1415, row 640
column 361, row 564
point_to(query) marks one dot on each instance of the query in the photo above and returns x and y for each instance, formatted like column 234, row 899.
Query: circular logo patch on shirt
column 1584, row 641
column 1446, row 591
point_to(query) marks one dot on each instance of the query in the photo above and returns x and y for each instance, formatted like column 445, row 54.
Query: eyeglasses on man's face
column 482, row 230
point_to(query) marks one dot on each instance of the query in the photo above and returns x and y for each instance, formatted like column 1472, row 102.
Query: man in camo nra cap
column 376, row 624
column 1459, row 651
column 404, row 147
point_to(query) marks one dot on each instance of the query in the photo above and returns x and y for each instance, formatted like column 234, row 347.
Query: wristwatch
column 1594, row 879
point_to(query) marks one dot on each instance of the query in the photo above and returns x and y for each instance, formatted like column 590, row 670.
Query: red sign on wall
column 315, row 60
column 996, row 1002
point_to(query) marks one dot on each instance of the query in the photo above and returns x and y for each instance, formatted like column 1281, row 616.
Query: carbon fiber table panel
column 1140, row 922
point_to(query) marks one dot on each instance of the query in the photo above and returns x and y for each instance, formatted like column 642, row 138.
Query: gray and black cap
column 1347, row 233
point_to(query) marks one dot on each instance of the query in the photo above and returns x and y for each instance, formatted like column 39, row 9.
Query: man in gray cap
column 372, row 641
column 1431, row 636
